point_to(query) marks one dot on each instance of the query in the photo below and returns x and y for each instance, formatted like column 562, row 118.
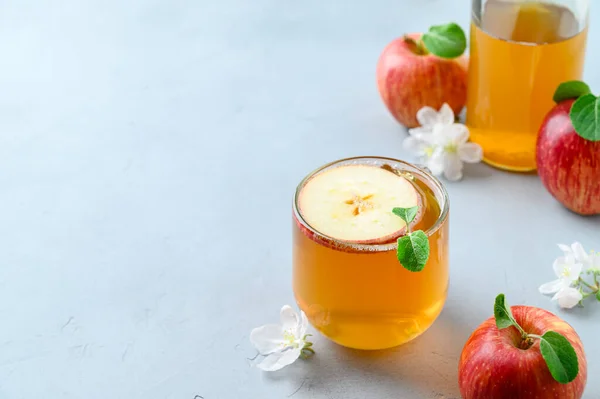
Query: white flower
column 281, row 343
column 442, row 144
column 429, row 118
column 422, row 144
column 421, row 140
column 568, row 269
column 577, row 252
column 568, row 297
column 452, row 149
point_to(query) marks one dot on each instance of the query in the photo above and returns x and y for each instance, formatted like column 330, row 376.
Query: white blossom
column 281, row 344
column 441, row 144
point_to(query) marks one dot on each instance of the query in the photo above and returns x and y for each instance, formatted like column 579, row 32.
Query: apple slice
column 354, row 203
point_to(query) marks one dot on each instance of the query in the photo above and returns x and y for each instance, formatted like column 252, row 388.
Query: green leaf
column 598, row 295
column 502, row 314
column 571, row 89
column 446, row 41
column 406, row 214
column 413, row 251
column 560, row 357
column 585, row 116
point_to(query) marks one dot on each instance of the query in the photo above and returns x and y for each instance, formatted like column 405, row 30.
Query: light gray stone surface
column 148, row 155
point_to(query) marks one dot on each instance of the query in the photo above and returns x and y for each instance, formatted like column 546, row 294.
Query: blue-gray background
column 148, row 154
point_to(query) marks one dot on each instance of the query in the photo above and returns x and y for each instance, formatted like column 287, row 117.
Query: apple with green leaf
column 568, row 149
column 522, row 352
column 419, row 70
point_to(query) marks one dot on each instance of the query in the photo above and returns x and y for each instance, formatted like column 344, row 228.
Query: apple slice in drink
column 353, row 203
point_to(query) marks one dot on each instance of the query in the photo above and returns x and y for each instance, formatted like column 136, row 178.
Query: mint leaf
column 585, row 116
column 446, row 41
column 406, row 214
column 413, row 248
column 560, row 357
column 413, row 251
column 502, row 314
column 571, row 89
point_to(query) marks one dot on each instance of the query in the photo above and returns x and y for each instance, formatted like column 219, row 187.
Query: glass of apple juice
column 346, row 274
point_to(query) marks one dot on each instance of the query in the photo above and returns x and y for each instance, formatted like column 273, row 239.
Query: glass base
column 513, row 151
column 509, row 168
column 370, row 331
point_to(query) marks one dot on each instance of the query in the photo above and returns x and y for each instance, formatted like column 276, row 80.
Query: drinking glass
column 358, row 294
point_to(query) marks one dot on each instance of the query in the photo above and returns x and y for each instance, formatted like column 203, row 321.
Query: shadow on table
column 478, row 171
column 589, row 312
column 426, row 367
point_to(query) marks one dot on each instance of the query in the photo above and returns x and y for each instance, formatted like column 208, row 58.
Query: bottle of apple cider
column 520, row 51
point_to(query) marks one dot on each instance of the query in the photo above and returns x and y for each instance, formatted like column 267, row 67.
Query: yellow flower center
column 290, row 339
column 451, row 148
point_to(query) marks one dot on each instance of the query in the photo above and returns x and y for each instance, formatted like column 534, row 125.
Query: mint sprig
column 413, row 247
column 556, row 350
column 445, row 41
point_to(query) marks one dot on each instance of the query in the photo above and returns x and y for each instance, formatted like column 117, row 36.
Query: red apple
column 494, row 365
column 409, row 80
column 568, row 164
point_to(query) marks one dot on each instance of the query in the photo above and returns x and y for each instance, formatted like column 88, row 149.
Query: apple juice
column 346, row 275
column 520, row 52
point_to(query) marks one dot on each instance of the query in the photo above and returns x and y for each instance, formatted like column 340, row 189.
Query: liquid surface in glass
column 360, row 296
column 520, row 53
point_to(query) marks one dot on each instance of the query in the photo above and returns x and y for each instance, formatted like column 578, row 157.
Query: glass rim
column 429, row 179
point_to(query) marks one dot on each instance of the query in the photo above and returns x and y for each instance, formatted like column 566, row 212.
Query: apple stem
column 417, row 47
column 527, row 342
column 523, row 333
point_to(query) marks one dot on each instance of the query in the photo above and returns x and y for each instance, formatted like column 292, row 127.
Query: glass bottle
column 520, row 51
